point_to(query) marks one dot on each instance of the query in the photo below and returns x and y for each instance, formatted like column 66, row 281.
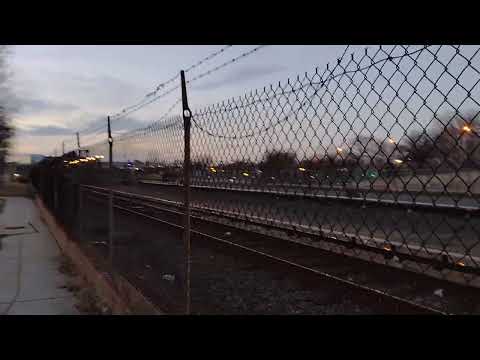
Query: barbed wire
column 163, row 84
column 163, row 117
column 142, row 104
column 136, row 131
column 245, row 54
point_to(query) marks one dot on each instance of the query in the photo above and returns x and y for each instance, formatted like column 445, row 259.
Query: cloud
column 49, row 130
column 28, row 105
column 242, row 74
column 40, row 105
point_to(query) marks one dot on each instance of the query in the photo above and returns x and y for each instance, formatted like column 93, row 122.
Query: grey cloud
column 242, row 74
column 38, row 105
column 28, row 105
column 49, row 130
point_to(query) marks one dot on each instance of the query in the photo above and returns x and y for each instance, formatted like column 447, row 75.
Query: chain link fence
column 376, row 157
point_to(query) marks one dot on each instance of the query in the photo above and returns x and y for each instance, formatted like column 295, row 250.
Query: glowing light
column 460, row 263
column 339, row 149
column 391, row 140
column 302, row 169
column 212, row 169
column 387, row 248
column 398, row 161
column 467, row 129
column 245, row 174
column 16, row 175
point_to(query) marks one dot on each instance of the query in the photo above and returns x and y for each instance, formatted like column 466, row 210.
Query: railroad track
column 296, row 256
column 413, row 255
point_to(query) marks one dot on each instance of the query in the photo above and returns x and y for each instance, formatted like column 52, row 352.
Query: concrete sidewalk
column 30, row 283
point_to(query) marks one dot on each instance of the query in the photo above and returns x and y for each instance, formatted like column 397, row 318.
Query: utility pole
column 110, row 143
column 63, row 147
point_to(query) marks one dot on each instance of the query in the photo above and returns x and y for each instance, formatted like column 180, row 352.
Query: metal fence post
column 78, row 143
column 110, row 227
column 110, row 143
column 80, row 212
column 186, row 185
column 55, row 193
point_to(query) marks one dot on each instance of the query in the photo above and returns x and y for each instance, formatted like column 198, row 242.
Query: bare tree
column 278, row 160
column 6, row 130
column 453, row 141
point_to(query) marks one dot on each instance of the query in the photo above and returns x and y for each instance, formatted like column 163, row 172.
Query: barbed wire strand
column 163, row 84
column 243, row 55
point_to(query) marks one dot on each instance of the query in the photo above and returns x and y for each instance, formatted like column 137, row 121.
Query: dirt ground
column 16, row 189
column 88, row 302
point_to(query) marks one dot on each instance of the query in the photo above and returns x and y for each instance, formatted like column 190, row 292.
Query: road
column 419, row 228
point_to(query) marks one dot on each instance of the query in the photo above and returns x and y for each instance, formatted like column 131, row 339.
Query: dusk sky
column 58, row 90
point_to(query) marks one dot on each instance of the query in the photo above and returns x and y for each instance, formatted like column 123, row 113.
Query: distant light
column 467, row 129
column 398, row 161
column 387, row 248
column 16, row 175
column 65, row 161
column 302, row 169
column 83, row 160
column 391, row 140
column 339, row 149
column 137, row 169
column 460, row 263
column 245, row 174
column 212, row 169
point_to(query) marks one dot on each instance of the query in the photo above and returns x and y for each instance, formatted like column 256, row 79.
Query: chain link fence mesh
column 376, row 156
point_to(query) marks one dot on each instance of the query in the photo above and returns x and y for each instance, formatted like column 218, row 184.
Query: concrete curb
column 122, row 297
